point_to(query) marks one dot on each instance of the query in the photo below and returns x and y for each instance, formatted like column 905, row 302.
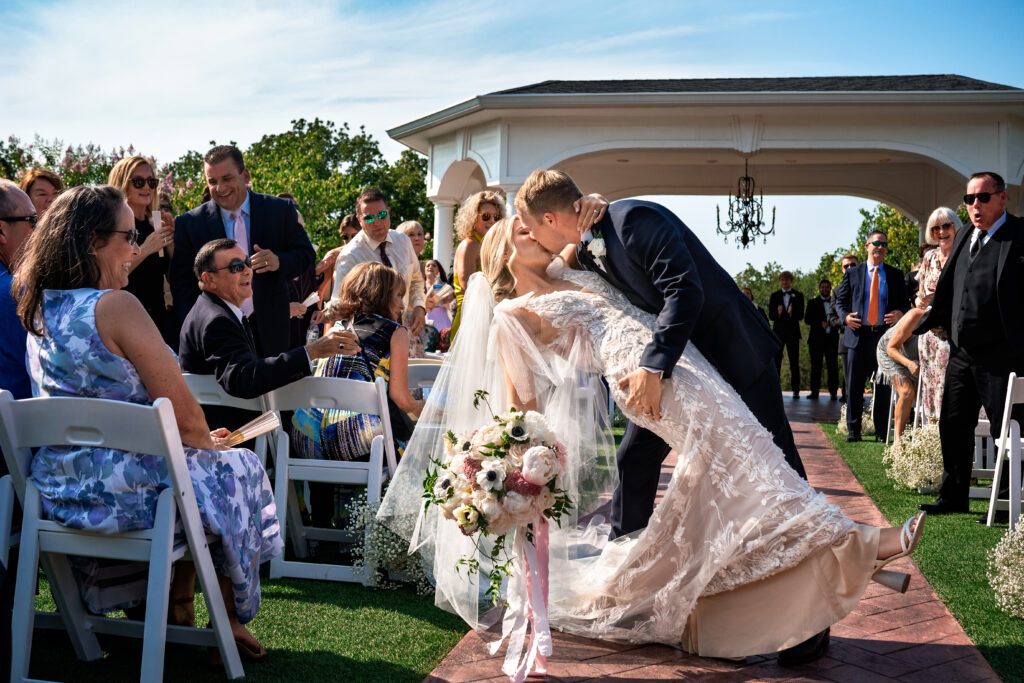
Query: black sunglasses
column 236, row 266
column 847, row 266
column 983, row 197
column 133, row 235
column 942, row 226
column 33, row 219
column 369, row 218
column 876, row 243
column 139, row 183
column 486, row 217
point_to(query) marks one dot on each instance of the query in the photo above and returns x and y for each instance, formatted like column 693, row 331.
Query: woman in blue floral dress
column 87, row 338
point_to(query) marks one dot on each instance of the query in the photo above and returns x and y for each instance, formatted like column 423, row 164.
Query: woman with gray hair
column 933, row 347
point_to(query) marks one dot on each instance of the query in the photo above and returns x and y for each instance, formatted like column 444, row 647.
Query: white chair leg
column 995, row 486
column 1013, row 449
column 282, row 486
column 6, row 517
column 155, row 632
column 892, row 412
column 24, row 611
column 219, row 616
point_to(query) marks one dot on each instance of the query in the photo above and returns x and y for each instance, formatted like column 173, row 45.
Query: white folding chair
column 984, row 459
column 1008, row 446
column 328, row 393
column 152, row 430
column 208, row 392
column 8, row 537
column 890, row 424
column 422, row 376
column 918, row 412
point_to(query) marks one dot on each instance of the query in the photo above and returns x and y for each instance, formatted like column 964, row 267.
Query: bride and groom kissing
column 741, row 556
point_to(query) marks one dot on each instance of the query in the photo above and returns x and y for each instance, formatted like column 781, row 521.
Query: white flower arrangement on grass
column 503, row 476
column 916, row 461
column 382, row 553
column 867, row 423
column 1005, row 571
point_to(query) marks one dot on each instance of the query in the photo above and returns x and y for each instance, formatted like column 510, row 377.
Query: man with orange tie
column 871, row 298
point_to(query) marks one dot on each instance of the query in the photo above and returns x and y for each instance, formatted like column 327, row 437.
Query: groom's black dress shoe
column 812, row 649
column 941, row 507
column 853, row 438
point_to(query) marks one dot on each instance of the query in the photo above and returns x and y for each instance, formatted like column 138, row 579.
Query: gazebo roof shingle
column 920, row 83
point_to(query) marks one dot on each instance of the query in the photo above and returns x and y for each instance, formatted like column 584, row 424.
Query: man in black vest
column 978, row 299
column 786, row 310
column 836, row 323
column 822, row 341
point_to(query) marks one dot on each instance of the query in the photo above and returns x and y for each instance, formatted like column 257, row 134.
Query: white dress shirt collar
column 225, row 215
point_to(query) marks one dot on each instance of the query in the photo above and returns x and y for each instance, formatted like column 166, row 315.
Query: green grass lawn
column 952, row 556
column 313, row 630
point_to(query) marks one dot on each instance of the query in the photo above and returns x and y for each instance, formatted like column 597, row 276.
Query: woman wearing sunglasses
column 933, row 346
column 135, row 178
column 476, row 216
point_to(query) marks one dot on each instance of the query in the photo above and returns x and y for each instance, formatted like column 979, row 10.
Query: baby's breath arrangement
column 916, row 461
column 1005, row 571
column 867, row 423
column 383, row 553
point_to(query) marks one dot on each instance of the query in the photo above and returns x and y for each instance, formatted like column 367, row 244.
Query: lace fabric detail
column 734, row 511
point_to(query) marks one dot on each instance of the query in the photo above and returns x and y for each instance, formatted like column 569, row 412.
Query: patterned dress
column 933, row 348
column 110, row 491
column 341, row 434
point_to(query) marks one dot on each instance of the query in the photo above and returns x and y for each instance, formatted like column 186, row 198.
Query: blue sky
column 169, row 77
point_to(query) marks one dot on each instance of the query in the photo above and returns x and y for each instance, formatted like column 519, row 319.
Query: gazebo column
column 510, row 198
column 444, row 222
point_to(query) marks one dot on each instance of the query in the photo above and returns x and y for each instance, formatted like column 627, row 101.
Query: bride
column 740, row 557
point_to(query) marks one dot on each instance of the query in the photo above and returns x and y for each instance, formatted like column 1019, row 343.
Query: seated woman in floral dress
column 89, row 339
column 370, row 304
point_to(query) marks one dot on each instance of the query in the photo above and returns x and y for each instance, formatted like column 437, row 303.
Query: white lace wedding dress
column 734, row 513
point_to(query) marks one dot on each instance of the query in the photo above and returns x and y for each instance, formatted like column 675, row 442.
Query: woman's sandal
column 899, row 581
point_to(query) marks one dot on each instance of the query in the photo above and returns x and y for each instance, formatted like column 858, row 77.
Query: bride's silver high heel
column 899, row 581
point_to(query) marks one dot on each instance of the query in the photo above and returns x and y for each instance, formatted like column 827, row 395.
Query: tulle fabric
column 574, row 402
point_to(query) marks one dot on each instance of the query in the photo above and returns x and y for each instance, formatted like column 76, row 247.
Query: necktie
column 384, row 255
column 242, row 238
column 976, row 246
column 873, row 300
column 248, row 333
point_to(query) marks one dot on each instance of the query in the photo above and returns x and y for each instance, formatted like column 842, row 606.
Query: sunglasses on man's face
column 381, row 215
column 236, row 266
column 33, row 219
column 139, row 183
column 983, row 197
column 847, row 266
column 878, row 243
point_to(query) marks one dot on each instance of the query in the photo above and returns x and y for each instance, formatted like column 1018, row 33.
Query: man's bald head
column 13, row 234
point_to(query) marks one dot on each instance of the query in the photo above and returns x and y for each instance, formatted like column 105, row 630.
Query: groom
column 648, row 254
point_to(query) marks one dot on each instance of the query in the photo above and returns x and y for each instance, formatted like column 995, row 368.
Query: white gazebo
column 908, row 141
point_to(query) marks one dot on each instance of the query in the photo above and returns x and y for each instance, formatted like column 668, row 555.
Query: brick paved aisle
column 910, row 637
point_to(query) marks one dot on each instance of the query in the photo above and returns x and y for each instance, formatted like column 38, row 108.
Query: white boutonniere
column 596, row 247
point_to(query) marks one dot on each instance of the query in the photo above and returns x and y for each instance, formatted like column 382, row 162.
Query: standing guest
column 836, row 323
column 747, row 292
column 786, row 310
column 17, row 218
column 978, row 300
column 872, row 298
column 822, row 341
column 42, row 187
column 414, row 231
column 89, row 339
column 299, row 289
column 135, row 178
column 216, row 340
column 268, row 230
column 475, row 217
column 933, row 346
column 899, row 366
column 378, row 242
column 348, row 227
column 440, row 295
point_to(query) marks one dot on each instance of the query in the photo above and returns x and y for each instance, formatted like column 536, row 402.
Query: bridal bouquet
column 503, row 476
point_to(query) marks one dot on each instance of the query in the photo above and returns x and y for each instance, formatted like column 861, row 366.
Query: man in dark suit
column 266, row 227
column 871, row 298
column 646, row 252
column 822, row 341
column 979, row 301
column 216, row 340
column 786, row 310
column 836, row 323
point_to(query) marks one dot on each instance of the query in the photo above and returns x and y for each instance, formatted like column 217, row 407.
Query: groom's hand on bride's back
column 644, row 392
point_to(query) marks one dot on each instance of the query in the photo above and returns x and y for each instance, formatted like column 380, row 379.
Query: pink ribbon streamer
column 528, row 602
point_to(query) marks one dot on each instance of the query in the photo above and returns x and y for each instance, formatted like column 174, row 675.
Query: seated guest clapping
column 216, row 339
column 87, row 338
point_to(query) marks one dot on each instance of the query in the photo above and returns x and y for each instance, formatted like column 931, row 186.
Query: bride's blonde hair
column 494, row 253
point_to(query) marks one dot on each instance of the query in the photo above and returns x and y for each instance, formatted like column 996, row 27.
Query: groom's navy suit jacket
column 661, row 266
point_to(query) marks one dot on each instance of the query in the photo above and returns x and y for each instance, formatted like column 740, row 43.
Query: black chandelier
column 745, row 214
